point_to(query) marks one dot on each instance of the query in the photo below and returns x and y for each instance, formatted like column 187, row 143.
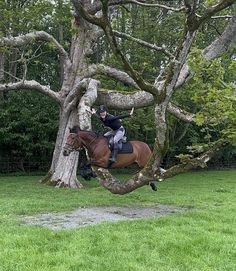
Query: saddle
column 124, row 146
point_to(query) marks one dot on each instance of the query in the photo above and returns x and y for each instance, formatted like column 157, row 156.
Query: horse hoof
column 153, row 186
column 112, row 160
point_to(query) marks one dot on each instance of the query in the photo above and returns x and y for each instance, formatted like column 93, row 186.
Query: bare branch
column 104, row 23
column 214, row 9
column 115, row 99
column 138, row 99
column 143, row 4
column 216, row 49
column 144, row 43
column 117, row 187
column 32, row 85
column 222, row 17
column 118, row 53
column 180, row 113
column 95, row 7
column 175, row 68
column 32, row 37
column 11, row 75
column 111, row 72
column 223, row 43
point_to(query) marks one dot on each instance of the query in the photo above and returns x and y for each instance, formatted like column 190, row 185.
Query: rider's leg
column 107, row 134
column 118, row 136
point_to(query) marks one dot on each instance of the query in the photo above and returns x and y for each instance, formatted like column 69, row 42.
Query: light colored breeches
column 118, row 135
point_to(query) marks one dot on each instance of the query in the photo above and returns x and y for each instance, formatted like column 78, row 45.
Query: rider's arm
column 119, row 117
column 124, row 116
column 94, row 113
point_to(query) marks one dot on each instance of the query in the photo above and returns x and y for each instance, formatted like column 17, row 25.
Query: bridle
column 71, row 148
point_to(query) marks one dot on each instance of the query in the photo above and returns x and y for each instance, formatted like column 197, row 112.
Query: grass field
column 204, row 238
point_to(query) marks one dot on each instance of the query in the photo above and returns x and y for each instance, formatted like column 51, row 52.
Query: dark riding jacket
column 113, row 122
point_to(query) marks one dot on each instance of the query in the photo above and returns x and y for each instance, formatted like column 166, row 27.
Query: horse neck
column 87, row 139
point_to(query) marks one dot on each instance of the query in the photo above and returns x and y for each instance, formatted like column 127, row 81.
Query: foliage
column 214, row 97
column 29, row 121
column 29, row 130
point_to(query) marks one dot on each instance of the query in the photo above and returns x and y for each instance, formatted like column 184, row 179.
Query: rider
column 114, row 123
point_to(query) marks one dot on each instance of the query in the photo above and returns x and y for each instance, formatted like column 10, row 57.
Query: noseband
column 71, row 148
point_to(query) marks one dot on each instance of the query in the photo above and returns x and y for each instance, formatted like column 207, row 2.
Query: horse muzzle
column 68, row 149
column 66, row 152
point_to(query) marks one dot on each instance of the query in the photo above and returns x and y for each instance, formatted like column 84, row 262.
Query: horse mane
column 75, row 129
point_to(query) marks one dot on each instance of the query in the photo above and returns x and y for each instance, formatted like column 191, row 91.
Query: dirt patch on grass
column 83, row 217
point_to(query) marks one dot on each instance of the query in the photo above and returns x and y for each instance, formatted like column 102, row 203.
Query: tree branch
column 214, row 9
column 199, row 161
column 76, row 93
column 222, row 17
column 112, row 73
column 223, row 42
column 180, row 113
column 216, row 49
column 95, row 7
column 118, row 53
column 32, row 85
column 144, row 43
column 147, row 175
column 104, row 23
column 176, row 67
column 85, row 103
column 87, row 15
column 143, row 4
column 32, row 37
column 138, row 99
column 117, row 187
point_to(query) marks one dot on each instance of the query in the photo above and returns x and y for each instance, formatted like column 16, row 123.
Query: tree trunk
column 64, row 168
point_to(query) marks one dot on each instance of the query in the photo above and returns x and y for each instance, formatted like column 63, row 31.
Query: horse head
column 73, row 143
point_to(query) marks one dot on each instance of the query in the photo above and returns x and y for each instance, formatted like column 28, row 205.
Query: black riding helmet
column 102, row 108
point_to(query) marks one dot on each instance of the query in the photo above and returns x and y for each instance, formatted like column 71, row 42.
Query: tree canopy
column 172, row 60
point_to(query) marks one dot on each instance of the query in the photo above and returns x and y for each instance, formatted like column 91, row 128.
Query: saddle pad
column 126, row 148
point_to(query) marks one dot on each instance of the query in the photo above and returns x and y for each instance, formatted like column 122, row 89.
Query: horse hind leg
column 153, row 186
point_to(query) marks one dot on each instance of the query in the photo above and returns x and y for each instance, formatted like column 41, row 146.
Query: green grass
column 204, row 238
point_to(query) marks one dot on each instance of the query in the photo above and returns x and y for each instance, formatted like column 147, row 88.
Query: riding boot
column 114, row 153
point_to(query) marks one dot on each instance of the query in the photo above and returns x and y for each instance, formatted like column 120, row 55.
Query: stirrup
column 112, row 160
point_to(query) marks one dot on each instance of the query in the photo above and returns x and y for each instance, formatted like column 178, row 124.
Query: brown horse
column 99, row 152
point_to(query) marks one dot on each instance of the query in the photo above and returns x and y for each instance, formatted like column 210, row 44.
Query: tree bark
column 64, row 168
column 78, row 96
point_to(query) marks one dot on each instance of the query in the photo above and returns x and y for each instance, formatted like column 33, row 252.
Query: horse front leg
column 99, row 162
